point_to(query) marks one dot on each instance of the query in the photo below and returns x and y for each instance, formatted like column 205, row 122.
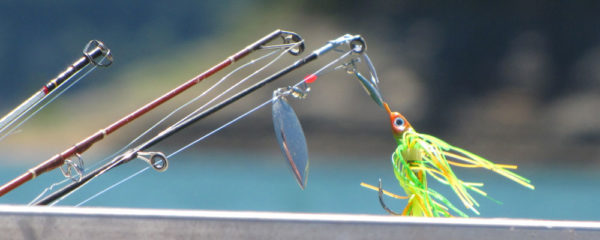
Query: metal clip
column 157, row 160
column 298, row 91
column 350, row 66
column 70, row 167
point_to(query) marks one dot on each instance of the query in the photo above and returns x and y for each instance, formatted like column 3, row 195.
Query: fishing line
column 43, row 106
column 252, row 62
column 231, row 88
column 92, row 50
column 185, row 105
column 85, row 183
column 255, row 108
column 157, row 159
column 319, row 72
column 37, row 110
column 220, row 81
column 46, row 190
column 176, row 152
column 108, row 188
column 62, row 158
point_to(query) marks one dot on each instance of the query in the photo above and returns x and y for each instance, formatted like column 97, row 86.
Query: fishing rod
column 290, row 41
column 93, row 53
column 158, row 160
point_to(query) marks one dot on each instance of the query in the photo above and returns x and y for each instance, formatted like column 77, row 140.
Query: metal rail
column 22, row 222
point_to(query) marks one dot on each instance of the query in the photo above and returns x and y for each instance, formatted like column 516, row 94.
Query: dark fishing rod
column 158, row 160
column 93, row 53
column 291, row 40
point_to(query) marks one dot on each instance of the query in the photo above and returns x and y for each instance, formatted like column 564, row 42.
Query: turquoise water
column 250, row 182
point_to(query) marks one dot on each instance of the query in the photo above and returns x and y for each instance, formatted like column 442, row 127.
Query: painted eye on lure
column 399, row 123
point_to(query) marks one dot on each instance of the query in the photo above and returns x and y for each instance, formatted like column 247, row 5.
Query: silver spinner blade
column 290, row 137
column 371, row 89
column 370, row 86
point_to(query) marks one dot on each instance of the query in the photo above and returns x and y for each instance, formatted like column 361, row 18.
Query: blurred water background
column 514, row 81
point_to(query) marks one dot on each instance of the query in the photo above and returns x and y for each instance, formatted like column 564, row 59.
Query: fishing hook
column 156, row 160
column 383, row 205
column 69, row 166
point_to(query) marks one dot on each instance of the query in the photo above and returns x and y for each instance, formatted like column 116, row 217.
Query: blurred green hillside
column 516, row 81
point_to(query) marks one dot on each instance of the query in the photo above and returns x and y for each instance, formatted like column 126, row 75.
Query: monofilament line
column 183, row 106
column 175, row 153
column 208, row 134
column 112, row 186
column 252, row 62
column 231, row 88
column 21, row 122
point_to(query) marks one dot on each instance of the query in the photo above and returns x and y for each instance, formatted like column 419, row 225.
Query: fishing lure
column 419, row 156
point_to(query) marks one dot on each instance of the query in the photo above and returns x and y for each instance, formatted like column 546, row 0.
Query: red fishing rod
column 290, row 41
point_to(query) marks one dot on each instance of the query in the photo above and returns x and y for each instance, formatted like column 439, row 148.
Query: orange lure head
column 399, row 122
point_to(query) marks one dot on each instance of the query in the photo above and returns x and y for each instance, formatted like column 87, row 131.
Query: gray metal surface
column 21, row 222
